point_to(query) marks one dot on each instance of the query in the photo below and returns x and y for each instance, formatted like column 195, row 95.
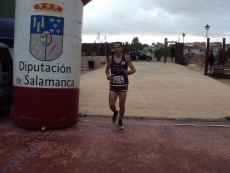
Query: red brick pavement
column 96, row 145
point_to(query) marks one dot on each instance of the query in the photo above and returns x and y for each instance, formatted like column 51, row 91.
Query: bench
column 221, row 69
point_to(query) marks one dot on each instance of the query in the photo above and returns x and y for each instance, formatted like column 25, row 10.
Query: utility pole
column 105, row 45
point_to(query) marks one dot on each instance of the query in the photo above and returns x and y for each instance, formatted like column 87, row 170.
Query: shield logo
column 46, row 37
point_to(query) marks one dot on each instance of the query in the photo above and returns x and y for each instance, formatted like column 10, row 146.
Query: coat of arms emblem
column 46, row 37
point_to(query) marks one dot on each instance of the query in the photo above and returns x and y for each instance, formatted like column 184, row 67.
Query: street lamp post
column 207, row 28
column 183, row 35
column 207, row 50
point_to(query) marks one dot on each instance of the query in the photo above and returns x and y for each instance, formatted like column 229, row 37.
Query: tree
column 219, row 57
column 159, row 53
column 126, row 47
column 136, row 44
column 135, row 41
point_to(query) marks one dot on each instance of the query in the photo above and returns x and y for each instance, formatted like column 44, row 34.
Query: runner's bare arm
column 130, row 64
column 108, row 75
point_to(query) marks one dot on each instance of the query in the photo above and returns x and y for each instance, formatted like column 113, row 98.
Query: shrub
column 159, row 53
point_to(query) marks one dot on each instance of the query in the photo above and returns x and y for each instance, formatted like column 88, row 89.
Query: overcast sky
column 153, row 20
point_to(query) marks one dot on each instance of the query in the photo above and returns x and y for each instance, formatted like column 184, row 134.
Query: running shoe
column 114, row 117
column 121, row 126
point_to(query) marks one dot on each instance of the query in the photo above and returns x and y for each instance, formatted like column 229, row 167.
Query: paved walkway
column 159, row 91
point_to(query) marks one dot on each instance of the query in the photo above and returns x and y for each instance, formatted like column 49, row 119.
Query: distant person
column 211, row 61
column 149, row 59
column 117, row 73
column 172, row 54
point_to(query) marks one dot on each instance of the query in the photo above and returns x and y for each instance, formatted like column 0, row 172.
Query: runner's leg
column 122, row 98
column 112, row 101
column 112, row 105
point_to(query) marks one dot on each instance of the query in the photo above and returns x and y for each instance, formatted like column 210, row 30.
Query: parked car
column 141, row 55
column 6, row 75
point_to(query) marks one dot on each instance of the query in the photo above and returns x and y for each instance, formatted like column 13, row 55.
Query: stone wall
column 99, row 61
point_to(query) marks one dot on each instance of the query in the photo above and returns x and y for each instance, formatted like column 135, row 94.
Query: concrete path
column 159, row 91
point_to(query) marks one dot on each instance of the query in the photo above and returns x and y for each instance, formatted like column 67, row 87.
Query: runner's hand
column 126, row 72
column 109, row 77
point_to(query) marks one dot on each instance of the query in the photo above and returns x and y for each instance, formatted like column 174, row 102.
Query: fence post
column 165, row 52
column 206, row 57
column 223, row 52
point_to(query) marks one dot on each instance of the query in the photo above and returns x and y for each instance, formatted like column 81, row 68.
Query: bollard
column 47, row 63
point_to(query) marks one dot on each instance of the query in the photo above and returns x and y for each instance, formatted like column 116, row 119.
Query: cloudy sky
column 153, row 20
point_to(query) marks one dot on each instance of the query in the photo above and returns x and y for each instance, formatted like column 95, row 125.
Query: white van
column 6, row 75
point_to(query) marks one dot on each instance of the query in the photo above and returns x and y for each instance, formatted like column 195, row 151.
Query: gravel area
column 160, row 91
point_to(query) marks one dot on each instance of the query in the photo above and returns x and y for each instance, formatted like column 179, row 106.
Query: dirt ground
column 200, row 69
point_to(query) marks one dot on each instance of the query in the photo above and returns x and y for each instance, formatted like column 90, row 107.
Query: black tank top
column 117, row 72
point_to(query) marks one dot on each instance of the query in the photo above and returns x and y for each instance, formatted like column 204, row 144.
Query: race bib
column 118, row 80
